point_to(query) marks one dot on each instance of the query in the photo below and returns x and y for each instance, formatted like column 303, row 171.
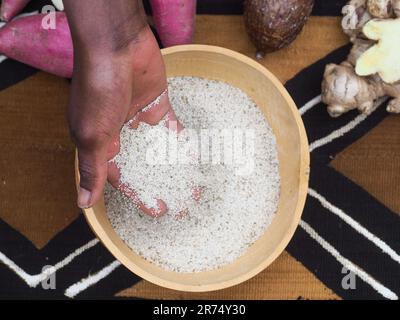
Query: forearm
column 104, row 25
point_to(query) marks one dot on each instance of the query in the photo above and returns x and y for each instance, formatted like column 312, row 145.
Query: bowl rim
column 99, row 231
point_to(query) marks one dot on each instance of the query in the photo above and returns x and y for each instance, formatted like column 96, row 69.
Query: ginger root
column 359, row 47
column 384, row 9
column 374, row 55
column 383, row 57
column 358, row 12
column 356, row 15
column 343, row 90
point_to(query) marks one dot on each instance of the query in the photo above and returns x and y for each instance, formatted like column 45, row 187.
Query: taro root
column 274, row 24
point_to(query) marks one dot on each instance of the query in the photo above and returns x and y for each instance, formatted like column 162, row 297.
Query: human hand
column 109, row 88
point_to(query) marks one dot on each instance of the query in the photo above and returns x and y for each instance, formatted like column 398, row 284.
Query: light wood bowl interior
column 282, row 115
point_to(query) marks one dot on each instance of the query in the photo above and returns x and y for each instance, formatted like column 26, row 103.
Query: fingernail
column 84, row 197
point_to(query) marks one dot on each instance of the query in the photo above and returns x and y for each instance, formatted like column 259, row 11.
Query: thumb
column 93, row 176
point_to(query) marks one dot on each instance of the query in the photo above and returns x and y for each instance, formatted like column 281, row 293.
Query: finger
column 114, row 148
column 156, row 112
column 156, row 211
column 197, row 192
column 151, row 116
column 93, row 175
column 114, row 178
column 92, row 144
column 182, row 214
column 172, row 122
column 114, row 174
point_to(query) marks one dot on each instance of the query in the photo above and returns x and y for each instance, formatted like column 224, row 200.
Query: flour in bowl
column 227, row 150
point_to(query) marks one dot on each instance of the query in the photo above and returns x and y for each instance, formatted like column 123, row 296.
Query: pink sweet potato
column 10, row 8
column 50, row 50
column 174, row 20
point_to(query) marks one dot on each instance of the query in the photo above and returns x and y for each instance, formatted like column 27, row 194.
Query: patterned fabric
column 342, row 225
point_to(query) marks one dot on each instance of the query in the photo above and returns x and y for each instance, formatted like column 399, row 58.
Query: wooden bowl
column 281, row 112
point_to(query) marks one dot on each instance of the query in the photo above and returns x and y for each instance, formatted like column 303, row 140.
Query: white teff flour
column 233, row 158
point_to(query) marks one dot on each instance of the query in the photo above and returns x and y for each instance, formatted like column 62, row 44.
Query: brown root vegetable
column 274, row 24
column 382, row 9
column 372, row 69
column 396, row 8
column 359, row 47
column 356, row 15
column 343, row 90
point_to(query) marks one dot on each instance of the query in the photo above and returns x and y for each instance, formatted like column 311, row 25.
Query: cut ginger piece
column 384, row 57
